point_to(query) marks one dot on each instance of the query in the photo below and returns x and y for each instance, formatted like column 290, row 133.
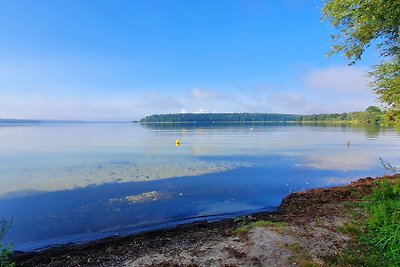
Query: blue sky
column 117, row 60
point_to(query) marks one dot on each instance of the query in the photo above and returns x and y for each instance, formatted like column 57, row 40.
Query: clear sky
column 117, row 60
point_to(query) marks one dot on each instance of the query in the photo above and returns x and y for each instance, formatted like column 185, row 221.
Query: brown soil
column 306, row 234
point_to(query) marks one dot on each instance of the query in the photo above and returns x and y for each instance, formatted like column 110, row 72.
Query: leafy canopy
column 360, row 24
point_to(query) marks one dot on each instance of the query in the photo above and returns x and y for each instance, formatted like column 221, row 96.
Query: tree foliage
column 387, row 84
column 219, row 118
column 364, row 23
column 372, row 115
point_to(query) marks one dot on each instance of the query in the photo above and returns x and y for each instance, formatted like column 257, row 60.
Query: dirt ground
column 301, row 233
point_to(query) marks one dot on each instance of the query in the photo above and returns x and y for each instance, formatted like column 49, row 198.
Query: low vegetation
column 300, row 255
column 383, row 221
column 377, row 232
column 244, row 227
column 5, row 250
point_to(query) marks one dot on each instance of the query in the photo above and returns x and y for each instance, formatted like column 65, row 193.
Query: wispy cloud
column 54, row 107
column 332, row 89
column 343, row 79
column 158, row 101
column 338, row 89
column 200, row 94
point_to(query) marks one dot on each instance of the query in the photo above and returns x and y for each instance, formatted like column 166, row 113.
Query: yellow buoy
column 177, row 142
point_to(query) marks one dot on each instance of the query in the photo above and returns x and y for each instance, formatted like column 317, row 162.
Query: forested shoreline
column 372, row 115
column 18, row 121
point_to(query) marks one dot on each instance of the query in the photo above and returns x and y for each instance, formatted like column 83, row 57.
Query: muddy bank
column 302, row 231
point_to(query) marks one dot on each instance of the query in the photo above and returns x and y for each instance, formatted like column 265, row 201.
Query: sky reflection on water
column 69, row 182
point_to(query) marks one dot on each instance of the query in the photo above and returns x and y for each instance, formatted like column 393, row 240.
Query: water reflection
column 342, row 161
column 371, row 131
column 68, row 182
column 50, row 157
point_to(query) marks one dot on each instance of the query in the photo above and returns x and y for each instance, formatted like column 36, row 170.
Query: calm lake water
column 64, row 183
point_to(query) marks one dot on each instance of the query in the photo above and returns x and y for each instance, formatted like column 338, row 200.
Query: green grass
column 300, row 256
column 244, row 228
column 319, row 222
column 350, row 229
column 377, row 234
column 383, row 221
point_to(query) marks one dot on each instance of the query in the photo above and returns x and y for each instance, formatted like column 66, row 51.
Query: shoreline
column 193, row 243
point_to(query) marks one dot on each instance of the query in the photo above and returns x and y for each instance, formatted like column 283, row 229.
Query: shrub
column 5, row 250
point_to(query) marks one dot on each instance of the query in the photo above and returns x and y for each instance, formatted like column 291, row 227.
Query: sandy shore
column 303, row 232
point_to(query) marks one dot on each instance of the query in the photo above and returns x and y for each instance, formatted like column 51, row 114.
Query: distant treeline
column 372, row 115
column 219, row 118
column 18, row 121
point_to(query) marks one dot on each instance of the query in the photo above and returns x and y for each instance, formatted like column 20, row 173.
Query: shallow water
column 72, row 182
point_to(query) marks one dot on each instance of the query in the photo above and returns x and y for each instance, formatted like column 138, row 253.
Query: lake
column 73, row 182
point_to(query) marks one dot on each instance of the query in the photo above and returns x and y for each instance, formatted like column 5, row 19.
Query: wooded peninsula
column 372, row 115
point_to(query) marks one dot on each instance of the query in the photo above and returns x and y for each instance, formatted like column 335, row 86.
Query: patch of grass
column 356, row 206
column 243, row 220
column 319, row 222
column 348, row 258
column 383, row 221
column 295, row 248
column 350, row 229
column 242, row 229
column 356, row 255
column 300, row 256
column 376, row 235
column 308, row 263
